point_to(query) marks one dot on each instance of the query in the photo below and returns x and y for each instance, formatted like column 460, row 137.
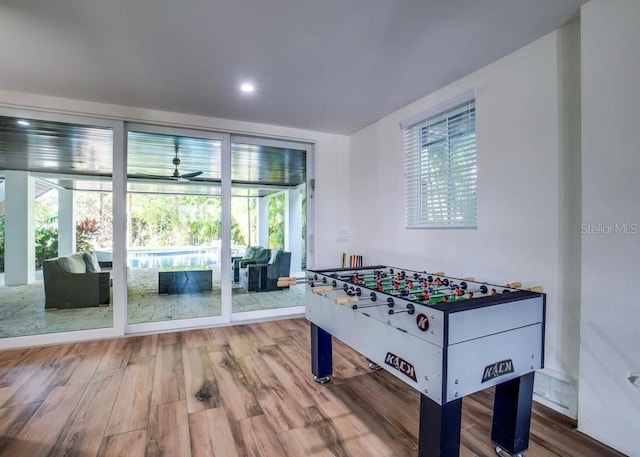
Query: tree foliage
column 276, row 221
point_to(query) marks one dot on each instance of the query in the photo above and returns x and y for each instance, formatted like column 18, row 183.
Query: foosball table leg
column 512, row 414
column 439, row 434
column 321, row 354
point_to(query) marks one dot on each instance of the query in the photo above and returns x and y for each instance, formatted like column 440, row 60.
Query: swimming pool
column 177, row 258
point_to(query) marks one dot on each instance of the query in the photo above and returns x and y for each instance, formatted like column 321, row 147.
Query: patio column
column 263, row 221
column 293, row 227
column 20, row 244
column 66, row 222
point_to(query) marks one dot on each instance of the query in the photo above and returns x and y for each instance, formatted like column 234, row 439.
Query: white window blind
column 441, row 169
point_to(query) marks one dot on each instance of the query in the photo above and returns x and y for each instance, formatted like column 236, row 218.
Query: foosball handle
column 537, row 289
column 470, row 278
column 514, row 285
column 438, row 273
column 321, row 289
column 347, row 299
column 284, row 281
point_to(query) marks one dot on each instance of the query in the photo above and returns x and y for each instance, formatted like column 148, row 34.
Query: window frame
column 455, row 122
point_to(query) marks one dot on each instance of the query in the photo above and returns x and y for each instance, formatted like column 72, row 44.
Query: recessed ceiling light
column 23, row 123
column 247, row 88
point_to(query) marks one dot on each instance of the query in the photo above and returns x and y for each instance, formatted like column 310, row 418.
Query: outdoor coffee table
column 181, row 281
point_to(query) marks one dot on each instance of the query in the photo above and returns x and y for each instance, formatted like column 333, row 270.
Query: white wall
column 331, row 153
column 528, row 187
column 610, row 345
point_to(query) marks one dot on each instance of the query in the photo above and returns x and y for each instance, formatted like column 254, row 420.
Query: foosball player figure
column 458, row 291
column 425, row 295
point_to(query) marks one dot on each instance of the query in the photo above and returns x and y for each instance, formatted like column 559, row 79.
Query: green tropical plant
column 46, row 239
column 276, row 221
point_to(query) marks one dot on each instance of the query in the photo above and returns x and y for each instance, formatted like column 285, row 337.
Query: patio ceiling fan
column 176, row 175
column 176, row 163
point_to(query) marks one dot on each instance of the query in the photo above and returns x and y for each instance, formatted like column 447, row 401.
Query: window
column 440, row 166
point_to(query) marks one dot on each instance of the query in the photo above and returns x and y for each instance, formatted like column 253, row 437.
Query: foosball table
column 445, row 337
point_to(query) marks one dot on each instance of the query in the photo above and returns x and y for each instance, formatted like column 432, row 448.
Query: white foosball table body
column 445, row 351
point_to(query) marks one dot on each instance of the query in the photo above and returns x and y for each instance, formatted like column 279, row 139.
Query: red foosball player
column 458, row 291
column 494, row 292
column 470, row 296
column 396, row 285
column 425, row 295
column 438, row 282
column 445, row 299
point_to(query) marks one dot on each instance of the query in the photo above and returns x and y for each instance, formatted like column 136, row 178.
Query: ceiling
column 327, row 65
column 80, row 157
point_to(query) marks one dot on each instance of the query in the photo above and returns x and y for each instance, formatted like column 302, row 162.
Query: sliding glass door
column 149, row 228
column 56, row 219
column 268, row 209
column 174, row 226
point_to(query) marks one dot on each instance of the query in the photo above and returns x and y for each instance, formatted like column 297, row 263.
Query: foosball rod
column 364, row 271
column 292, row 281
column 517, row 285
column 408, row 309
column 390, row 303
column 389, row 275
column 388, row 284
column 355, row 297
column 440, row 297
column 392, row 288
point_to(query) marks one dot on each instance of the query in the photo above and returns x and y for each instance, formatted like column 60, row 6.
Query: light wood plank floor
column 137, row 397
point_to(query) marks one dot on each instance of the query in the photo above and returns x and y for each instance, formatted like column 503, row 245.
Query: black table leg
column 321, row 354
column 512, row 414
column 439, row 434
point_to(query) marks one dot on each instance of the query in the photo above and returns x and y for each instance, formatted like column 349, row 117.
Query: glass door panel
column 268, row 229
column 174, row 227
column 55, row 217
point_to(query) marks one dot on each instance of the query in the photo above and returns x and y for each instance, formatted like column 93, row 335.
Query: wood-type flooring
column 241, row 391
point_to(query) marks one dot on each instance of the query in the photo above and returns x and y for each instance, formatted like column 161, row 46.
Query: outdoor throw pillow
column 73, row 263
column 250, row 253
column 91, row 259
